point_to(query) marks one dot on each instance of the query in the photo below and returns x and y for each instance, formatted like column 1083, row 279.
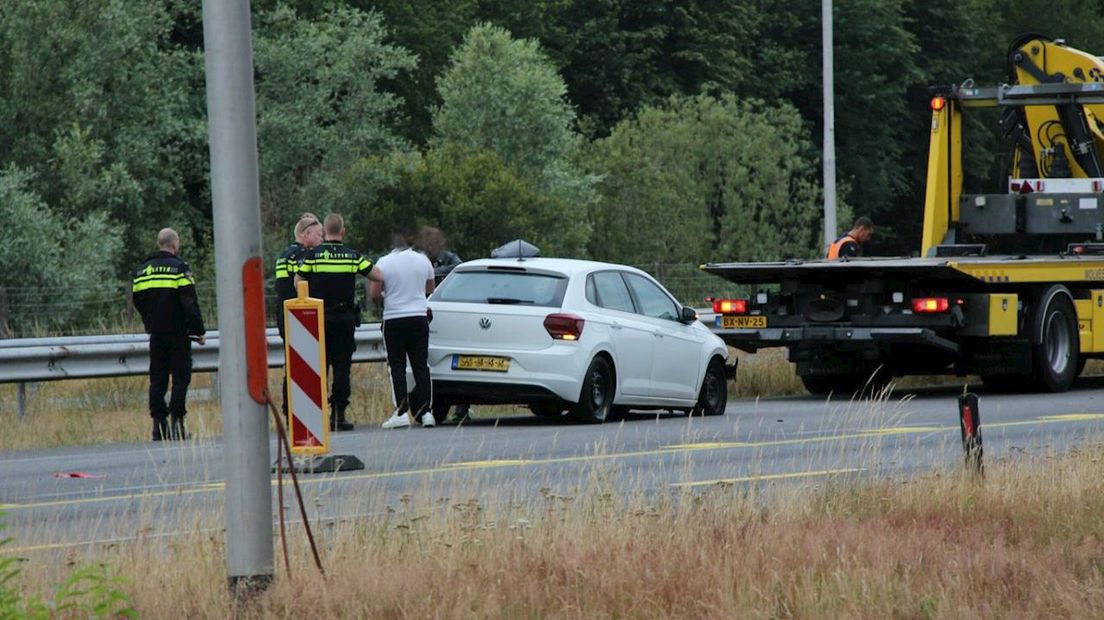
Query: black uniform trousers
column 408, row 338
column 170, row 354
column 340, row 344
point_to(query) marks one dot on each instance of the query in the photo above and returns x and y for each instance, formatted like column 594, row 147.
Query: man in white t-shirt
column 407, row 281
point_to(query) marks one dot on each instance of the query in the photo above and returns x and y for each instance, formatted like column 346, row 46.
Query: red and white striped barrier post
column 308, row 405
column 305, row 356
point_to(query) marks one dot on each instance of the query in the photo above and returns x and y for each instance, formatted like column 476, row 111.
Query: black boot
column 177, row 432
column 160, row 428
column 338, row 421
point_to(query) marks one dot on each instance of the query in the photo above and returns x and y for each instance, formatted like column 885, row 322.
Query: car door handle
column 616, row 325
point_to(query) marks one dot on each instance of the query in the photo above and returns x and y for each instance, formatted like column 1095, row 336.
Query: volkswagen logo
column 485, row 323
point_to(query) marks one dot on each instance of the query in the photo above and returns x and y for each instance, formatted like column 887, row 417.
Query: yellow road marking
column 904, row 430
column 796, row 474
column 1074, row 417
column 504, row 463
column 719, row 445
column 485, row 464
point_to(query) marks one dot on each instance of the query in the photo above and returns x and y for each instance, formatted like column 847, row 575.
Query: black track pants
column 408, row 339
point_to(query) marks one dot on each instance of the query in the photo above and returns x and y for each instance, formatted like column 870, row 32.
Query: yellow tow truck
column 1008, row 286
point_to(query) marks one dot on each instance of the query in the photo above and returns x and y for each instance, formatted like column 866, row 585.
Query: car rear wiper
column 508, row 300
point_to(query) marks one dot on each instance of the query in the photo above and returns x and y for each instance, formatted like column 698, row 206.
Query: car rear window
column 503, row 287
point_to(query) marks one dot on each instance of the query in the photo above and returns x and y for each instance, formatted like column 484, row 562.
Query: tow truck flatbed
column 1000, row 269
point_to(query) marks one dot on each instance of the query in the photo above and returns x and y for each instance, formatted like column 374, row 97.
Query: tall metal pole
column 829, row 125
column 235, row 190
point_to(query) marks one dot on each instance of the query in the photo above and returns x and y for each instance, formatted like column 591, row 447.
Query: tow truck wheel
column 1057, row 349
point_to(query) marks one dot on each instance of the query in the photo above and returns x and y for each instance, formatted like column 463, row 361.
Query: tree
column 707, row 178
column 430, row 29
column 478, row 200
column 321, row 111
column 44, row 261
column 98, row 108
column 503, row 96
column 619, row 55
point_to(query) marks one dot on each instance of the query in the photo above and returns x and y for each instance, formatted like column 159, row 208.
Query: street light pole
column 829, row 125
column 235, row 190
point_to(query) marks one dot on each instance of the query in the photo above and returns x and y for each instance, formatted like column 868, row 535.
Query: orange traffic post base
column 308, row 406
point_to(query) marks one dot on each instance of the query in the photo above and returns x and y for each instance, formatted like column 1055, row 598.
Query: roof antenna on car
column 521, row 255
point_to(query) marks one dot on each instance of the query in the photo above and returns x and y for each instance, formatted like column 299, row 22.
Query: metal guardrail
column 79, row 357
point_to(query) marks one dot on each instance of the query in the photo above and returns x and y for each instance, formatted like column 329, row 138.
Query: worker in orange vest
column 850, row 245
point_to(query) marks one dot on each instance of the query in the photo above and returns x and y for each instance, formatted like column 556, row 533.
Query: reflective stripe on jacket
column 331, row 269
column 165, row 296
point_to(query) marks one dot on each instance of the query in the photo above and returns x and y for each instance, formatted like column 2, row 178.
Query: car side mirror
column 688, row 315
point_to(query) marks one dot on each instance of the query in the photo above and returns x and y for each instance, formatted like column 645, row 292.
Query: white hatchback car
column 562, row 335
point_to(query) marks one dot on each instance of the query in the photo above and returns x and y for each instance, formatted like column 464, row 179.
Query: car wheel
column 714, row 391
column 596, row 397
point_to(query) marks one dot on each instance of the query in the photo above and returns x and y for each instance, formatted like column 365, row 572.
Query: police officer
column 308, row 235
column 850, row 245
column 165, row 295
column 331, row 268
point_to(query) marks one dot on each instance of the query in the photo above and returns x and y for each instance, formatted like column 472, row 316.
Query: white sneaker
column 428, row 419
column 399, row 420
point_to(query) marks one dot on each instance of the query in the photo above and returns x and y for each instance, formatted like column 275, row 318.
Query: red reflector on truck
column 930, row 304
column 730, row 306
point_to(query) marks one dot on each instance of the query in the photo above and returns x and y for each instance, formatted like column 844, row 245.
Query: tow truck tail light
column 730, row 306
column 564, row 326
column 930, row 305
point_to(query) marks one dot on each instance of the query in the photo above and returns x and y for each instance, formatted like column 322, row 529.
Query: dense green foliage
column 641, row 131
column 320, row 109
column 707, row 179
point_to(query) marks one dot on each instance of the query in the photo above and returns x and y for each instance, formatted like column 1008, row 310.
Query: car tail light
column 564, row 326
column 730, row 306
column 930, row 305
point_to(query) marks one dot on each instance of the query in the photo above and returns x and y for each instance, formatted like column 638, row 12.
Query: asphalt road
column 154, row 490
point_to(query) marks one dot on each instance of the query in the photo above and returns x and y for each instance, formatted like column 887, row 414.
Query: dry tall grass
column 1027, row 542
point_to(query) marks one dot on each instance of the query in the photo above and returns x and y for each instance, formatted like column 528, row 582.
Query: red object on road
column 78, row 474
